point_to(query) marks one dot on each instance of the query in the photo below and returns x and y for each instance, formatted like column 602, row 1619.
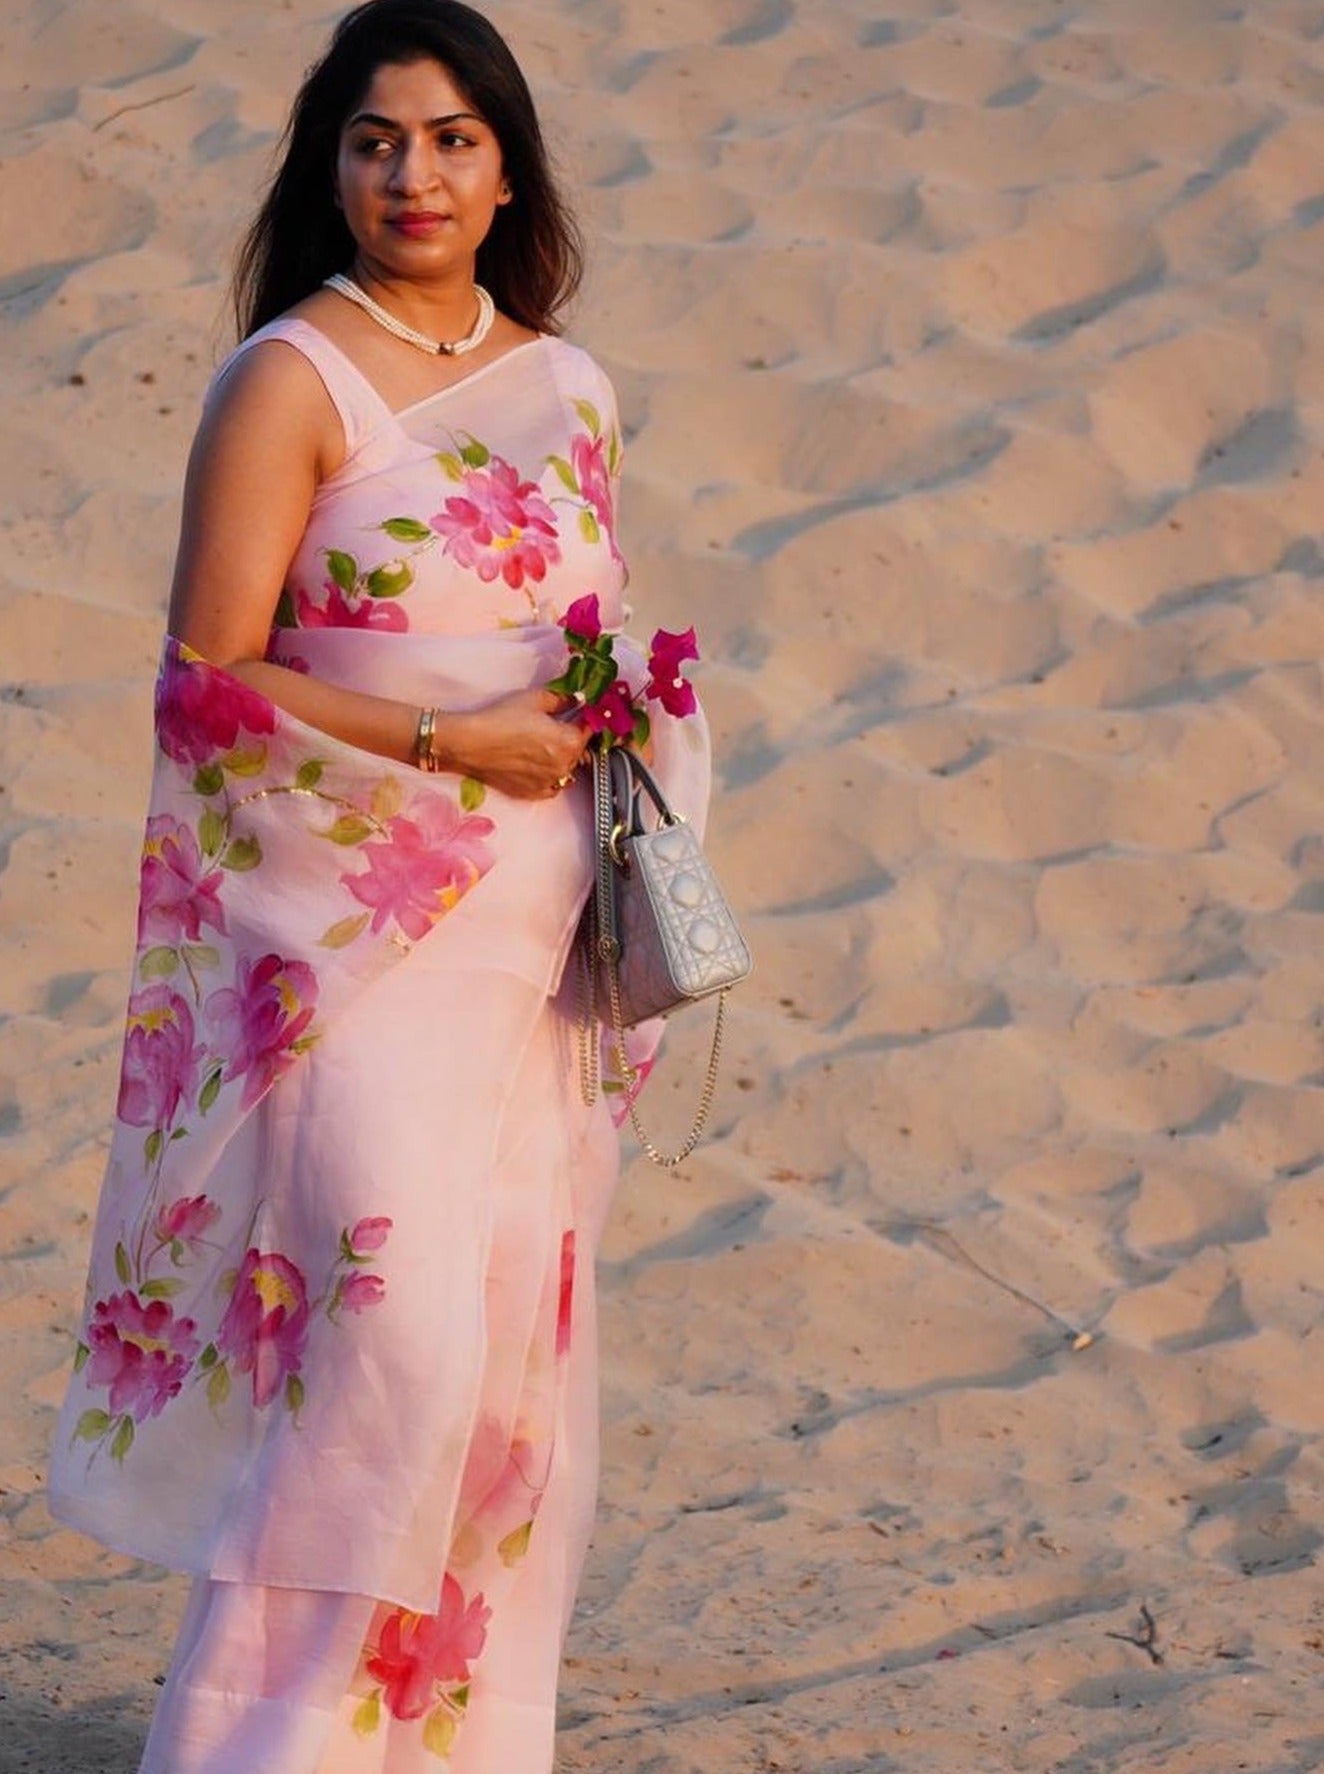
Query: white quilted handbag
column 657, row 932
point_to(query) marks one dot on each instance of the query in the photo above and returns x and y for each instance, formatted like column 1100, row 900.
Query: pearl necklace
column 345, row 286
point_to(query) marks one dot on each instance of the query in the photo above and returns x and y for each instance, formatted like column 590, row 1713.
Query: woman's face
column 418, row 174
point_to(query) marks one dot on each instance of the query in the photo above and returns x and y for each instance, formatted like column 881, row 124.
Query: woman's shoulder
column 579, row 374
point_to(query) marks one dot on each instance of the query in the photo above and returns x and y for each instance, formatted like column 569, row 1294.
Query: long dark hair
column 532, row 259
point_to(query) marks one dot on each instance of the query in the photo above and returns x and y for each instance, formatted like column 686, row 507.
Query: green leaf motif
column 81, row 1354
column 211, row 1089
column 123, row 1440
column 152, row 1147
column 294, row 1393
column 343, row 568
column 122, row 1263
column 246, row 763
column 201, row 954
column 211, row 832
column 516, row 1543
column 243, row 854
column 589, row 414
column 390, row 581
column 180, row 1133
column 286, row 616
column 451, row 465
column 350, row 828
column 309, row 773
column 565, row 473
column 367, row 1714
column 475, row 454
column 642, row 728
column 342, row 934
column 439, row 1732
column 614, row 453
column 218, row 1386
column 92, row 1425
column 406, row 529
column 472, row 793
column 160, row 1290
column 209, row 779
column 158, row 963
column 209, row 1357
column 589, row 528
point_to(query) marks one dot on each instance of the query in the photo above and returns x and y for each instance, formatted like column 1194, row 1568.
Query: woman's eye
column 371, row 145
column 452, row 139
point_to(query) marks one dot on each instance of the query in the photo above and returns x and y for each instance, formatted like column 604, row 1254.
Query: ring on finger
column 563, row 782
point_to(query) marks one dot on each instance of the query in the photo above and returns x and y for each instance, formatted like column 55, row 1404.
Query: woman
column 338, row 1354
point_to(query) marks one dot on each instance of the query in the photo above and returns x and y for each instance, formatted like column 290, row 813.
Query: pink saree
column 338, row 1355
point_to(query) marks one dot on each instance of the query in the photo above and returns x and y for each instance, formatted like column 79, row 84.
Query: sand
column 963, row 1408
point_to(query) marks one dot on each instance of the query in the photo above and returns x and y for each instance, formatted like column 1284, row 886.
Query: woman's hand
column 516, row 746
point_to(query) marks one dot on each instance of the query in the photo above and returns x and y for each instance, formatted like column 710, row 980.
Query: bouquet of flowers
column 608, row 705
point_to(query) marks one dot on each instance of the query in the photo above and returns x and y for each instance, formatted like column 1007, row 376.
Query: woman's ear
column 504, row 192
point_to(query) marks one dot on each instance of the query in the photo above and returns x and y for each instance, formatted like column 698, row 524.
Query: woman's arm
column 267, row 438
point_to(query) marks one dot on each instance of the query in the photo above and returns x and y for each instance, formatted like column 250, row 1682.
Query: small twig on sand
column 143, row 105
column 1145, row 1640
column 940, row 1239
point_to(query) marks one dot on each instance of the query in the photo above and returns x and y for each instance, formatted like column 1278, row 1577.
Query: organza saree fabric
column 336, row 1359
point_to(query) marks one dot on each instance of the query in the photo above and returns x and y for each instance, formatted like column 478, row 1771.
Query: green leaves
column 218, row 1386
column 245, row 763
column 590, row 415
column 367, row 1714
column 152, row 1148
column 286, row 615
column 81, row 1355
column 209, row 780
column 564, row 473
column 122, row 1269
column 589, row 527
column 294, row 1393
column 123, row 1439
column 164, row 1289
column 343, row 568
column 451, row 465
column 309, row 773
column 472, row 793
column 406, row 529
column 341, row 934
column 390, row 580
column 211, row 832
column 211, row 1089
column 350, row 828
column 475, row 454
column 159, row 963
column 92, row 1425
column 201, row 954
column 439, row 1732
column 244, row 854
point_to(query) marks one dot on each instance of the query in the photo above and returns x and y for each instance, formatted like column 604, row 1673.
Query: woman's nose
column 413, row 168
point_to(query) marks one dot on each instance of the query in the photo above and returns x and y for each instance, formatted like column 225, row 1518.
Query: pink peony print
column 356, row 1293
column 415, row 1652
column 265, row 1326
column 201, row 710
column 187, row 1220
column 500, row 526
column 161, row 1058
column 426, row 863
column 565, row 1304
column 141, row 1352
column 256, row 1022
column 369, row 1235
column 339, row 612
column 178, row 891
column 588, row 458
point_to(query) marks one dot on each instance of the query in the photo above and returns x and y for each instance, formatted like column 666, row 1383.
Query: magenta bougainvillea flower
column 257, row 1021
column 140, row 1351
column 500, row 526
column 584, row 617
column 416, row 1652
column 265, row 1326
column 665, row 683
column 613, row 711
column 178, row 890
column 187, row 1220
column 426, row 862
column 201, row 711
column 161, row 1058
column 339, row 611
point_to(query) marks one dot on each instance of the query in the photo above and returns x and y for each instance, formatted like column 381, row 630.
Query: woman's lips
column 416, row 223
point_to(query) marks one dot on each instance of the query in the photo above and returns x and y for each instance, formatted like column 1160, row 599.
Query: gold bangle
column 424, row 755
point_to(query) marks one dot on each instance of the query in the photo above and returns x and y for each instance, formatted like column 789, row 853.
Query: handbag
column 657, row 932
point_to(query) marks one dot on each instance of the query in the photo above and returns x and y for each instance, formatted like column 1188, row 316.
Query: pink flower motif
column 357, row 1292
column 369, row 1235
column 339, row 612
column 584, row 617
column 614, row 709
column 424, row 866
column 201, row 710
column 666, row 684
column 187, row 1220
column 417, row 1651
column 588, row 458
column 142, row 1352
column 565, row 1304
column 177, row 891
column 266, row 1323
column 256, row 1022
column 500, row 526
column 161, row 1058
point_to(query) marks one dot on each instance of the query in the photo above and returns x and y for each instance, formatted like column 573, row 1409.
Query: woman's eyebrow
column 433, row 122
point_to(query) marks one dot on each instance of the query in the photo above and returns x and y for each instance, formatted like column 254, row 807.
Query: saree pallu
column 338, row 1336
